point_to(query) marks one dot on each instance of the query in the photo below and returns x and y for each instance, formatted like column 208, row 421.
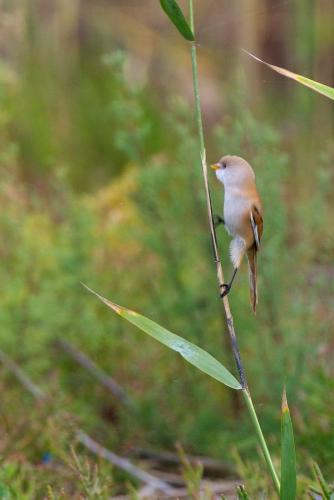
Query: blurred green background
column 100, row 183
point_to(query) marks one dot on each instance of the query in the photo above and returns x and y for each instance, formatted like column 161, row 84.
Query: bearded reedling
column 243, row 217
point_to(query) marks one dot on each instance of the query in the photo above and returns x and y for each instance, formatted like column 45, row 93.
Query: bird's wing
column 256, row 221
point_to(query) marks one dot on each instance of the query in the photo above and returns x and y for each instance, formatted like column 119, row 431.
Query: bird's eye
column 223, row 165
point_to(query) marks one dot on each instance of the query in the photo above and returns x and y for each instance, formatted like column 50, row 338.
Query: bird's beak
column 215, row 166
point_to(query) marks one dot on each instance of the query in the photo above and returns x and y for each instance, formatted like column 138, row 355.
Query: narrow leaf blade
column 322, row 483
column 288, row 455
column 190, row 352
column 176, row 15
column 242, row 493
column 312, row 84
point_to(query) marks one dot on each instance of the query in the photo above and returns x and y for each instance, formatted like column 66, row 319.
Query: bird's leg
column 217, row 220
column 227, row 286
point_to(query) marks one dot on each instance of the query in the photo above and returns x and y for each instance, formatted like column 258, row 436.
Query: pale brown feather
column 256, row 221
column 252, row 269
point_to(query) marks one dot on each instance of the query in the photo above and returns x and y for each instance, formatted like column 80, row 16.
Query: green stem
column 197, row 99
column 245, row 390
column 219, row 269
column 262, row 441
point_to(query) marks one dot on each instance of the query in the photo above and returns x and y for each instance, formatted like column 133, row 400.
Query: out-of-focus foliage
column 100, row 183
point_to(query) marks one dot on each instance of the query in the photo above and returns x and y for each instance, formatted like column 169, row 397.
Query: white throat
column 220, row 174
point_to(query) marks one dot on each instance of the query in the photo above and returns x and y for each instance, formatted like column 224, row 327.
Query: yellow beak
column 216, row 166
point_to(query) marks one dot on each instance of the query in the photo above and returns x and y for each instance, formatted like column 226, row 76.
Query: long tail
column 252, row 268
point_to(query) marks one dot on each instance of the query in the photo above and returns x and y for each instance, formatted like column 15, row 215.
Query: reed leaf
column 176, row 15
column 312, row 84
column 190, row 352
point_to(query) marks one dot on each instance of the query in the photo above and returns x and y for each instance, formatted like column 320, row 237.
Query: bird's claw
column 227, row 288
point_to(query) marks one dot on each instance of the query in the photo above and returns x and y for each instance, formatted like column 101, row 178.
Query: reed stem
column 219, row 269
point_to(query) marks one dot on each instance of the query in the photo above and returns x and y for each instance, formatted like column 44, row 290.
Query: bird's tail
column 252, row 268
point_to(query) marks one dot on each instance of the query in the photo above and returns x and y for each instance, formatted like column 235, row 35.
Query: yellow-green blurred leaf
column 312, row 84
column 190, row 352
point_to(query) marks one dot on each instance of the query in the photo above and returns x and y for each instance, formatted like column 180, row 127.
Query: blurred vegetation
column 100, row 183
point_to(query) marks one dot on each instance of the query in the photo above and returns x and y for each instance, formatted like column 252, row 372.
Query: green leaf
column 176, row 15
column 242, row 493
column 191, row 352
column 312, row 84
column 288, row 455
column 322, row 483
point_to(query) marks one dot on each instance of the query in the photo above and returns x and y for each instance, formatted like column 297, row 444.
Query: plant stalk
column 262, row 441
column 219, row 269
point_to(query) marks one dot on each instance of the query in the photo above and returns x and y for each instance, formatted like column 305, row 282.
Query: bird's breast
column 236, row 215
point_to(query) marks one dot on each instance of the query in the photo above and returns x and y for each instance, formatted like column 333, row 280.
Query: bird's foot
column 226, row 287
column 217, row 220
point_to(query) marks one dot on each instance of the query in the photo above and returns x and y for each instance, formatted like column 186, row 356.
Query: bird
column 243, row 217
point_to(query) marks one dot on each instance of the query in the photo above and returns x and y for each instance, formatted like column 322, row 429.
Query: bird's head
column 233, row 171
